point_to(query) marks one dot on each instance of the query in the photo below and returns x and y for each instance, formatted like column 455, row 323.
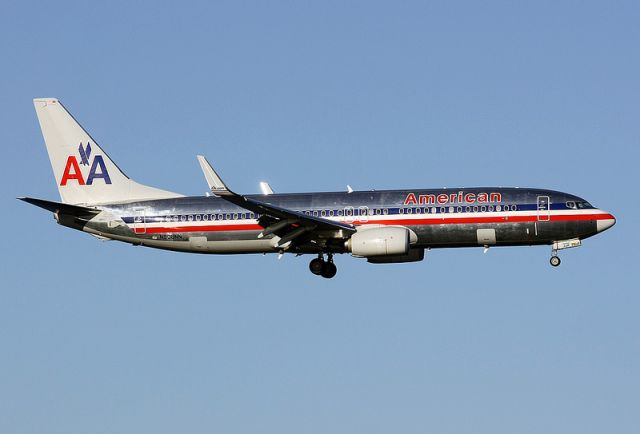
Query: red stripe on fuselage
column 210, row 228
column 398, row 222
column 489, row 219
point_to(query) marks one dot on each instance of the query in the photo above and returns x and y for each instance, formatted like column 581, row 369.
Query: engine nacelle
column 414, row 255
column 381, row 241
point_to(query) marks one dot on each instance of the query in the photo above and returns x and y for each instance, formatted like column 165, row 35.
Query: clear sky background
column 108, row 338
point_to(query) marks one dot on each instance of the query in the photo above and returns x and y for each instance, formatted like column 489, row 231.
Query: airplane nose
column 605, row 223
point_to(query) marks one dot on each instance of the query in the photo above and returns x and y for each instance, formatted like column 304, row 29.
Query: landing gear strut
column 320, row 267
column 555, row 259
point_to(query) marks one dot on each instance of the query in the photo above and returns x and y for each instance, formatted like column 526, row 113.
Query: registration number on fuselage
column 170, row 237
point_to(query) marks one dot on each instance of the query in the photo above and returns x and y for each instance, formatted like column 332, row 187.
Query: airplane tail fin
column 84, row 173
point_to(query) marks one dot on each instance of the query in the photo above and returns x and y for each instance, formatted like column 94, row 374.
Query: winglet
column 213, row 180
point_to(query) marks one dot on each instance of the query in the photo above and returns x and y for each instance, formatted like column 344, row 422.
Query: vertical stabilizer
column 84, row 173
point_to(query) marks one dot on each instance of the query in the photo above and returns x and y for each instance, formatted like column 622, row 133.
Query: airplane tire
column 329, row 270
column 554, row 261
column 316, row 266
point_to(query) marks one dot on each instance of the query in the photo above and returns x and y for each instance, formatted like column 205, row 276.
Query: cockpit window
column 571, row 204
column 584, row 205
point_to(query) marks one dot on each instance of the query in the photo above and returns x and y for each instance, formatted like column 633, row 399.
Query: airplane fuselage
column 464, row 217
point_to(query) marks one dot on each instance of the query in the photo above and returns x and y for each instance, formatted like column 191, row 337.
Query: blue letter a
column 98, row 161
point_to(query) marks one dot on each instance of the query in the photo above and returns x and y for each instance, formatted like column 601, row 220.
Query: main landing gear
column 320, row 267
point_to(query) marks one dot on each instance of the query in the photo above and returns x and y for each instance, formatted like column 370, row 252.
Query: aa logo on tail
column 72, row 169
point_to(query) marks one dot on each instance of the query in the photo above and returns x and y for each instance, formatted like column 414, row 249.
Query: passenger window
column 198, row 217
column 459, row 209
column 385, row 211
column 490, row 208
column 483, row 208
column 323, row 213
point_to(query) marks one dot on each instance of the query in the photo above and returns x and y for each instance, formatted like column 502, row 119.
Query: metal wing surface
column 290, row 225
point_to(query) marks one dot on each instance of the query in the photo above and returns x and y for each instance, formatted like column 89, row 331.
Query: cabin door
column 544, row 209
column 139, row 223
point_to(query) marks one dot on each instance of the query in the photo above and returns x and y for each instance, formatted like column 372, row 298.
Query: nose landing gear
column 320, row 267
column 561, row 245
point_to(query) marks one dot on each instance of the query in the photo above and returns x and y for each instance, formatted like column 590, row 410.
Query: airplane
column 381, row 226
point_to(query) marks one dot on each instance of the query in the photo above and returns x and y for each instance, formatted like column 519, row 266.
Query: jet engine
column 380, row 241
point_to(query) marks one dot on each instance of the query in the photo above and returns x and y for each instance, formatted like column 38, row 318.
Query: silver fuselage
column 463, row 217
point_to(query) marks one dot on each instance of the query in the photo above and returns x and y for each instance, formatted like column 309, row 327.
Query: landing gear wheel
column 316, row 266
column 329, row 270
column 555, row 261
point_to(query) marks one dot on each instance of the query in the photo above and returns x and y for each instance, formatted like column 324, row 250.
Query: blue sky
column 105, row 337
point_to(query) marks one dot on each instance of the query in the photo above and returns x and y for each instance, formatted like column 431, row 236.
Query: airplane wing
column 291, row 226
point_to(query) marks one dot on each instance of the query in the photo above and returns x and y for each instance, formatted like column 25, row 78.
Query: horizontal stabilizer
column 62, row 208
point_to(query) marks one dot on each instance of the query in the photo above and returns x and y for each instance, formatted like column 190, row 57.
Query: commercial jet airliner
column 382, row 226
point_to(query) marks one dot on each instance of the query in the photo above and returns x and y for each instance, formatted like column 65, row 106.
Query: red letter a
column 72, row 163
column 411, row 199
